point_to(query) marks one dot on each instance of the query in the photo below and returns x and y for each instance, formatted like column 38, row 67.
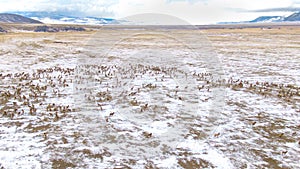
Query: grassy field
column 152, row 97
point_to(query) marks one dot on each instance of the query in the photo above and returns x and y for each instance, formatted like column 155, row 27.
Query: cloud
column 193, row 11
column 294, row 6
column 189, row 1
column 79, row 7
column 199, row 11
column 287, row 9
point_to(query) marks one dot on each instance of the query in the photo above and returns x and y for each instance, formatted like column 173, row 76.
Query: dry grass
column 28, row 98
column 281, row 30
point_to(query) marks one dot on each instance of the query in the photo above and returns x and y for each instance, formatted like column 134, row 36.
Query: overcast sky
column 192, row 11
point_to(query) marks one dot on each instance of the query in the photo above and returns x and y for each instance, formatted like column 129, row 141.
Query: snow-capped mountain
column 59, row 18
column 295, row 17
column 66, row 18
column 268, row 19
column 13, row 18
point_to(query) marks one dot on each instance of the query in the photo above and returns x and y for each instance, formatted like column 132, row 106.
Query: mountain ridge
column 15, row 18
column 295, row 17
column 64, row 18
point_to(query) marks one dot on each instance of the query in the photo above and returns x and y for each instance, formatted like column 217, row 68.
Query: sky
column 191, row 11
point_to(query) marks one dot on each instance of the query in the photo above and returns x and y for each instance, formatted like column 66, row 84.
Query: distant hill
column 58, row 29
column 14, row 18
column 266, row 19
column 2, row 30
column 293, row 17
column 65, row 18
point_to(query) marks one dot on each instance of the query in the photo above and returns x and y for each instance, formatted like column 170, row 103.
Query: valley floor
column 151, row 98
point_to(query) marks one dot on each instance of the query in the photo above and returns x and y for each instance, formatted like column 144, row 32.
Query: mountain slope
column 293, row 17
column 13, row 18
column 270, row 19
column 65, row 18
column 265, row 19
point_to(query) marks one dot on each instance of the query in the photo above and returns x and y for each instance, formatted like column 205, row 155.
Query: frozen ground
column 151, row 99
